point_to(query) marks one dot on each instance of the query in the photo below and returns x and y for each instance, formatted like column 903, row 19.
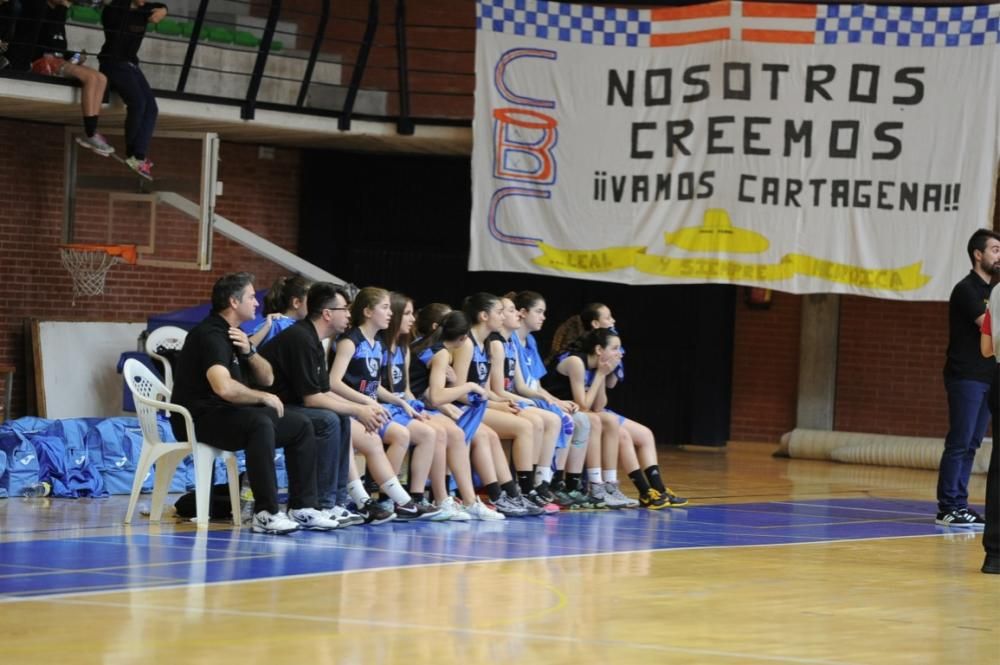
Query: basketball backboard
column 107, row 203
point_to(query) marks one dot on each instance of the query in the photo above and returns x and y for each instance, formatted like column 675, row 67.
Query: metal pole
column 344, row 123
column 249, row 106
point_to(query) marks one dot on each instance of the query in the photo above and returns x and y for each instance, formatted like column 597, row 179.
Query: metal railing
column 389, row 60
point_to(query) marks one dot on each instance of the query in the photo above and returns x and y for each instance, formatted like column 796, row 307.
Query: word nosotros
column 760, row 134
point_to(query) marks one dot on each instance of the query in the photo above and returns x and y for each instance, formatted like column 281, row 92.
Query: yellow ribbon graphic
column 584, row 260
column 905, row 278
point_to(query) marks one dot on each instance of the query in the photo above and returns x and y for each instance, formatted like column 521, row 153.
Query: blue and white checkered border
column 882, row 25
column 578, row 24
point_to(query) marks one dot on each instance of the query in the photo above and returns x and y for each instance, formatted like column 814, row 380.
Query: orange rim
column 126, row 253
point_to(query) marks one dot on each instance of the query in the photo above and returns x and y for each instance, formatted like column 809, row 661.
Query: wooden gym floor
column 774, row 561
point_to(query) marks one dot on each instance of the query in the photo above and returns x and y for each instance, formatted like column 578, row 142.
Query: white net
column 88, row 269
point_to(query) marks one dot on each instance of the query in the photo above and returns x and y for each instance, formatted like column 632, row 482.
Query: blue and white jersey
column 509, row 359
column 529, row 360
column 364, row 370
column 420, row 370
column 278, row 324
column 479, row 368
column 394, row 363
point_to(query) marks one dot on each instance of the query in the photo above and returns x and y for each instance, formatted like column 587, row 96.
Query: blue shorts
column 621, row 418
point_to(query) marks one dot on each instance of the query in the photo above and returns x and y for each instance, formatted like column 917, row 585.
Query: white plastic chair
column 165, row 337
column 151, row 397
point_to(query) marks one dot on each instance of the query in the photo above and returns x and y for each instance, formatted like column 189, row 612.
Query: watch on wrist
column 251, row 353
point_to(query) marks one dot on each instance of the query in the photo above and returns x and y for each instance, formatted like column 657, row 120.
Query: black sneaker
column 977, row 519
column 545, row 491
column 373, row 514
column 430, row 512
column 410, row 511
column 958, row 518
column 674, row 500
column 991, row 564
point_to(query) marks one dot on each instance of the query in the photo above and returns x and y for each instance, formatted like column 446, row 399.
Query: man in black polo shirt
column 213, row 370
column 968, row 377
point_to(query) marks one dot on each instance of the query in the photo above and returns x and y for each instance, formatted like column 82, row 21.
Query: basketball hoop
column 88, row 265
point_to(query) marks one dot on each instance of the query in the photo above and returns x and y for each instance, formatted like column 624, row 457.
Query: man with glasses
column 214, row 371
column 302, row 381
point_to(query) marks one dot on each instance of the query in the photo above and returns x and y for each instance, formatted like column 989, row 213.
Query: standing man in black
column 989, row 345
column 968, row 378
column 213, row 372
column 124, row 24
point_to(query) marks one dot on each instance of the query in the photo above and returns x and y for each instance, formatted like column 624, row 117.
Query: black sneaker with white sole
column 374, row 514
column 407, row 512
column 977, row 519
column 956, row 518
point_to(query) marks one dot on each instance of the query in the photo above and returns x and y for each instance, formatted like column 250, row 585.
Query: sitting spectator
column 39, row 44
column 124, row 24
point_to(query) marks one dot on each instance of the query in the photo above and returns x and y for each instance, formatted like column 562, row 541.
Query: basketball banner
column 805, row 148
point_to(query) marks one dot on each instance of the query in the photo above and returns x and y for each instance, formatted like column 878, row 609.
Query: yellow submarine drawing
column 718, row 235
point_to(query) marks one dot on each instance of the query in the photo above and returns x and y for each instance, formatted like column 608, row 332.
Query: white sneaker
column 453, row 510
column 97, row 143
column 615, row 498
column 480, row 511
column 343, row 516
column 312, row 519
column 278, row 523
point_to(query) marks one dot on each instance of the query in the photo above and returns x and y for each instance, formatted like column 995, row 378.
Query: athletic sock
column 655, row 479
column 594, row 476
column 610, row 475
column 559, row 476
column 573, row 481
column 510, row 487
column 539, row 475
column 493, row 491
column 90, row 125
column 356, row 489
column 524, row 481
column 640, row 482
column 395, row 491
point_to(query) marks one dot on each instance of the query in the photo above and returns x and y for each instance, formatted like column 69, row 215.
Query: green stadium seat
column 244, row 38
column 83, row 14
column 168, row 27
column 219, row 35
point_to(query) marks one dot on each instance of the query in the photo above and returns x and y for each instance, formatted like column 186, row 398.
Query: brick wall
column 889, row 372
column 888, row 381
column 261, row 195
column 765, row 369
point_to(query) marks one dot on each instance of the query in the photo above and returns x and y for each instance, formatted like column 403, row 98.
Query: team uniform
column 420, row 370
column 364, row 371
column 278, row 325
column 394, row 371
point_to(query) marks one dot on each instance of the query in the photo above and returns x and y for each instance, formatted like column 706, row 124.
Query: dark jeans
column 129, row 82
column 257, row 430
column 968, row 416
column 333, row 453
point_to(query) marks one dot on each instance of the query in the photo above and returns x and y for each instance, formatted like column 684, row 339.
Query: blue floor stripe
column 139, row 559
